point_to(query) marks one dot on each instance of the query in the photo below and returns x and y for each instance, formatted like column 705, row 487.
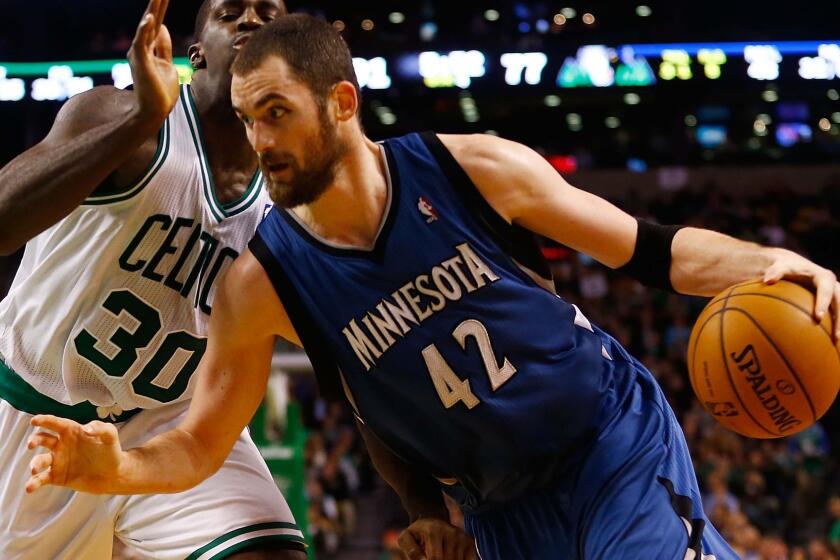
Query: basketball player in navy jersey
column 405, row 270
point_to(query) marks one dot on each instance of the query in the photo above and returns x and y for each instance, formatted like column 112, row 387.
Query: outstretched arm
column 430, row 535
column 524, row 189
column 247, row 316
column 95, row 135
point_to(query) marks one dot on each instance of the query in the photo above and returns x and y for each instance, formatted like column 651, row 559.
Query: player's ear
column 347, row 100
column 196, row 54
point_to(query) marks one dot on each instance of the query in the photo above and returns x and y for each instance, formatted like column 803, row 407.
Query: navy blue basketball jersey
column 447, row 336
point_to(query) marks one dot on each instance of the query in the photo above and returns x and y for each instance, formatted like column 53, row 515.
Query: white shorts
column 237, row 507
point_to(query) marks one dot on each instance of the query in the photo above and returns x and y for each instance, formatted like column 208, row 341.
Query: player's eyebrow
column 264, row 100
column 230, row 4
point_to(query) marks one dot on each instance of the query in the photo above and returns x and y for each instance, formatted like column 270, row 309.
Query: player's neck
column 223, row 134
column 212, row 100
column 352, row 209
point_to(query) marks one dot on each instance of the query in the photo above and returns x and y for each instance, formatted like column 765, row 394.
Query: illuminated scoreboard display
column 633, row 65
column 590, row 66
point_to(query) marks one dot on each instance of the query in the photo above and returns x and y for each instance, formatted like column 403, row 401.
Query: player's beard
column 313, row 177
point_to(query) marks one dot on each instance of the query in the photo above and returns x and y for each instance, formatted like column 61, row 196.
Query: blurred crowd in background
column 772, row 499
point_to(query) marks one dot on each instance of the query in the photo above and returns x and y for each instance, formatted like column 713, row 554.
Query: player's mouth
column 240, row 40
column 277, row 169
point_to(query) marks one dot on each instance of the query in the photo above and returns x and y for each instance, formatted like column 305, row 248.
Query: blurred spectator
column 391, row 547
column 834, row 529
column 772, row 499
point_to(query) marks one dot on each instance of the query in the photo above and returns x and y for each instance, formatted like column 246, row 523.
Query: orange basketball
column 760, row 363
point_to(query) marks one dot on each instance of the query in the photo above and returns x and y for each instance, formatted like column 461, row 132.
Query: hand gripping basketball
column 760, row 363
column 793, row 267
column 155, row 77
column 84, row 458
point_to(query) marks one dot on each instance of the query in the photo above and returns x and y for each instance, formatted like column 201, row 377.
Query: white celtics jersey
column 111, row 305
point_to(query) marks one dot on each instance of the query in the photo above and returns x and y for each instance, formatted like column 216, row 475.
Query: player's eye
column 269, row 16
column 228, row 16
column 246, row 120
column 276, row 112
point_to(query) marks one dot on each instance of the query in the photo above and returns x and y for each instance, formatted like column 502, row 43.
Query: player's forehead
column 272, row 80
column 216, row 5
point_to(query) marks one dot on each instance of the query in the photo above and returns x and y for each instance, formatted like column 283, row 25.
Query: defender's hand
column 435, row 539
column 790, row 266
column 84, row 458
column 155, row 77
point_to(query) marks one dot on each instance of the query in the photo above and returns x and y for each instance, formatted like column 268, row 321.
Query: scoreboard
column 588, row 66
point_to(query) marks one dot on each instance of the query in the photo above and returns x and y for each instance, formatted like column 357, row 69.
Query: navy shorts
column 634, row 498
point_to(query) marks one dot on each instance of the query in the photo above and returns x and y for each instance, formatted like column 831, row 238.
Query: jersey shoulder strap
column 519, row 243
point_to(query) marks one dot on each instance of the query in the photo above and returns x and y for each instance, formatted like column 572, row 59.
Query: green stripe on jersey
column 258, row 541
column 249, row 529
column 22, row 396
column 164, row 143
column 220, row 211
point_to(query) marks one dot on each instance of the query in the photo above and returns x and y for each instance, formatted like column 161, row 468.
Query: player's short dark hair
column 201, row 18
column 313, row 49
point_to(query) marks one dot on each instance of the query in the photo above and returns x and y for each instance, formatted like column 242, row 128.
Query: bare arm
column 247, row 316
column 431, row 535
column 94, row 134
column 420, row 493
column 524, row 189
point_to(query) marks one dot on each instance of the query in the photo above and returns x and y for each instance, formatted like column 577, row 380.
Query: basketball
column 760, row 363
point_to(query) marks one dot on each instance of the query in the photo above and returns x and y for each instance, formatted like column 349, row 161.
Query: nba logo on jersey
column 427, row 210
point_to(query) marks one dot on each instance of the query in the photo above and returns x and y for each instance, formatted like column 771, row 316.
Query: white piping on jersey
column 385, row 215
column 217, row 209
column 164, row 144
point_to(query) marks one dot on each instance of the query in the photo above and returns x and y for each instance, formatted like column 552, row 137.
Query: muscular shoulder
column 92, row 108
column 505, row 172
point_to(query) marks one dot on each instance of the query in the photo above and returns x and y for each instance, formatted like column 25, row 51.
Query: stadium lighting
column 552, row 101
column 632, row 99
column 643, row 11
column 491, row 15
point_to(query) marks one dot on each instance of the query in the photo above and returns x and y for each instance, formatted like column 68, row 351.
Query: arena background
column 712, row 113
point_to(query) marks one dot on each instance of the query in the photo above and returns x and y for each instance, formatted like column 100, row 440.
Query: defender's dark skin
column 105, row 138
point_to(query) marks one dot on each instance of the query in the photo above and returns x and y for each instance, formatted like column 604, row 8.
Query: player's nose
column 249, row 20
column 263, row 140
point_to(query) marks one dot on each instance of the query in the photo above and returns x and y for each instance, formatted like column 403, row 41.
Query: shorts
column 635, row 497
column 237, row 507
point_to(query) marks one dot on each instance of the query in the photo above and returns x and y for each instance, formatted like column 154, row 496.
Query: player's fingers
column 143, row 39
column 42, row 439
column 152, row 7
column 54, row 423
column 773, row 274
column 835, row 308
column 160, row 12
column 462, row 545
column 433, row 545
column 163, row 44
column 825, row 282
column 40, row 462
column 410, row 547
column 467, row 548
column 38, row 480
column 106, row 433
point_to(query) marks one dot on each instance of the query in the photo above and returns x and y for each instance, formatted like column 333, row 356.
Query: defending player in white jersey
column 135, row 203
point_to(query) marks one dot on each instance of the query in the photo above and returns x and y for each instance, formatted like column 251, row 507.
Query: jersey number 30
column 129, row 343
